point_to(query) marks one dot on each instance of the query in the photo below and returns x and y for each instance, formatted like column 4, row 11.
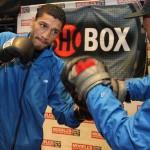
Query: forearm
column 139, row 88
column 111, row 120
column 63, row 107
column 105, row 109
column 66, row 117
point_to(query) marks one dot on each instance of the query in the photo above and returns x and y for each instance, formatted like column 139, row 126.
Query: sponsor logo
column 26, row 22
column 138, row 106
column 8, row 43
column 82, row 4
column 70, row 41
column 77, row 146
column 90, row 122
column 49, row 116
column 148, row 62
column 45, row 81
column 51, row 143
column 66, row 131
column 96, row 135
column 148, row 46
column 25, row 10
column 103, row 94
column 127, row 1
column 62, row 5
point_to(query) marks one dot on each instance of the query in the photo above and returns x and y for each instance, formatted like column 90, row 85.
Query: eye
column 43, row 25
column 55, row 31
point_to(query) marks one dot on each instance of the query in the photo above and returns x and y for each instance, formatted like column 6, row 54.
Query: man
column 94, row 86
column 28, row 84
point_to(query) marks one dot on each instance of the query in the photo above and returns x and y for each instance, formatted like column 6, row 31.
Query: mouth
column 42, row 41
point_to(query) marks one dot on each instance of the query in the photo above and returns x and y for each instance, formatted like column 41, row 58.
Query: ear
column 32, row 21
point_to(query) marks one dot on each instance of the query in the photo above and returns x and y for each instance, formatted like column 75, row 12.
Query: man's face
column 44, row 31
column 146, row 24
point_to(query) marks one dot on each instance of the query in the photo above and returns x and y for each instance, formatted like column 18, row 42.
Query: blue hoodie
column 43, row 87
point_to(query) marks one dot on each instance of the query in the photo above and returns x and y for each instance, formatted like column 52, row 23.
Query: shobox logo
column 72, row 40
column 67, row 42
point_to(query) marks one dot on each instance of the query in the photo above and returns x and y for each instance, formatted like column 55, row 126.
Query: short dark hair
column 53, row 10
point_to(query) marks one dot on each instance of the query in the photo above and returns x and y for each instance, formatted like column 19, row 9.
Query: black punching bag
column 10, row 7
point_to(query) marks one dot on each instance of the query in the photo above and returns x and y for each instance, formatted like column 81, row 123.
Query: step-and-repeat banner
column 95, row 28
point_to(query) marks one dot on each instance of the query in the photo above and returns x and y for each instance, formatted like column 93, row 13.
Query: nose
column 46, row 34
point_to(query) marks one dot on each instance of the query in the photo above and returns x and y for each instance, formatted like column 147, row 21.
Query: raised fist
column 17, row 47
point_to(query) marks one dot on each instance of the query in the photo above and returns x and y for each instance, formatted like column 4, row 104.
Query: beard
column 38, row 44
column 39, row 48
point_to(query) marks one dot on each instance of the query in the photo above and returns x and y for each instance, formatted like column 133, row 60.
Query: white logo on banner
column 93, row 39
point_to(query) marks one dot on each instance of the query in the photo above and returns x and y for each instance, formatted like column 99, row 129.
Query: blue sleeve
column 64, row 109
column 61, row 101
column 120, row 131
column 5, row 36
column 139, row 88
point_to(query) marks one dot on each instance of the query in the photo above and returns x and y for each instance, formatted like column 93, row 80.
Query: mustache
column 42, row 40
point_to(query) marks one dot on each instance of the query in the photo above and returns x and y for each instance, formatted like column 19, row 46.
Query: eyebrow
column 59, row 30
